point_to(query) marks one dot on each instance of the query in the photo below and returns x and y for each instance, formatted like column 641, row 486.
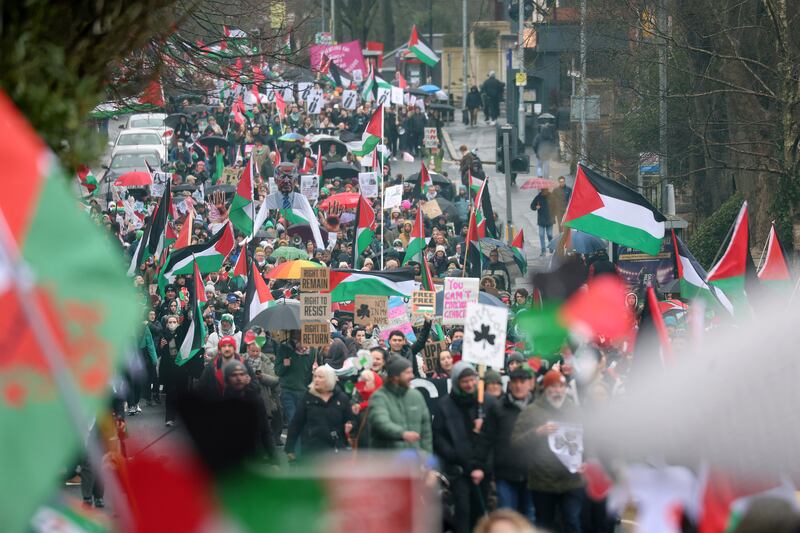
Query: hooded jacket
column 394, row 410
column 494, row 451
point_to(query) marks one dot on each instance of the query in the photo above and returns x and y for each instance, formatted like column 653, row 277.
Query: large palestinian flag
column 258, row 297
column 371, row 136
column 346, row 284
column 609, row 210
column 420, row 50
column 209, row 257
column 774, row 271
column 153, row 239
column 416, row 245
column 365, row 229
column 692, row 278
column 60, row 274
column 730, row 273
column 243, row 207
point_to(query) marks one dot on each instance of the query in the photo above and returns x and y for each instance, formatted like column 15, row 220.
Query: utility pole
column 333, row 20
column 322, row 17
column 430, row 35
column 507, row 129
column 465, row 87
column 521, row 69
column 583, row 154
column 662, row 99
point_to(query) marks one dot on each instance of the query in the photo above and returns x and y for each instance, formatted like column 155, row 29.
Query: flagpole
column 764, row 251
column 380, row 176
column 54, row 357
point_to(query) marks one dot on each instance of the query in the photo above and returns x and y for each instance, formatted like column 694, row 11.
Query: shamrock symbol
column 569, row 441
column 363, row 311
column 484, row 335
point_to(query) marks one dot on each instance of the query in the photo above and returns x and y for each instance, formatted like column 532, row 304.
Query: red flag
column 319, row 160
column 308, row 165
column 280, row 104
column 600, row 310
column 153, row 94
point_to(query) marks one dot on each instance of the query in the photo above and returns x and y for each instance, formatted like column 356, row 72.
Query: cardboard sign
column 230, row 176
column 315, row 334
column 371, row 310
column 349, row 100
column 485, row 335
column 398, row 319
column 314, row 279
column 423, row 302
column 392, row 196
column 430, row 354
column 566, row 442
column 309, row 187
column 397, row 95
column 458, row 292
column 431, row 210
column 315, row 306
column 368, row 184
column 431, row 138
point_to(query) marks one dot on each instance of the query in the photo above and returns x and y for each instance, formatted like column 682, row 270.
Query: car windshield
column 146, row 122
column 133, row 139
column 134, row 160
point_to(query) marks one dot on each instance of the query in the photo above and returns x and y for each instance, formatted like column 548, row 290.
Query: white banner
column 485, row 335
column 349, row 100
column 288, row 94
column 309, row 187
column 304, row 90
column 384, row 96
column 315, row 102
column 397, row 95
column 392, row 196
column 368, row 184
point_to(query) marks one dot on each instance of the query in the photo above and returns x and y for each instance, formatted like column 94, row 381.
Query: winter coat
column 541, row 205
column 409, row 352
column 250, row 398
column 474, row 100
column 211, row 383
column 394, row 410
column 269, row 384
column 320, row 424
column 545, row 472
column 296, row 376
column 494, row 451
column 453, row 439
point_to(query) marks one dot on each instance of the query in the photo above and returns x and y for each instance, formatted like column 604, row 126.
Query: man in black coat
column 494, row 452
column 456, row 426
column 493, row 89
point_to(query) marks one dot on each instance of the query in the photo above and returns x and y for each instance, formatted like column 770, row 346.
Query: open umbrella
column 339, row 170
column 291, row 269
column 430, row 88
column 538, row 183
column 134, row 179
column 285, row 314
column 437, row 179
column 290, row 252
column 290, row 137
column 348, row 136
column 447, row 207
column 442, row 107
column 483, row 298
column 504, row 254
column 174, row 119
column 583, row 243
column 213, row 141
column 324, row 142
column 348, row 200
column 417, row 92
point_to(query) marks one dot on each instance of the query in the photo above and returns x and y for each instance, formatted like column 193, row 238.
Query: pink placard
column 346, row 55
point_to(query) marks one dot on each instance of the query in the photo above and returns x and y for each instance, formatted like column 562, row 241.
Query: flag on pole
column 517, row 246
column 365, row 229
column 192, row 332
column 240, row 268
column 280, row 103
column 423, row 184
column 652, row 337
column 692, row 278
column 416, row 244
column 87, row 179
column 336, row 74
column 184, row 239
column 258, row 297
column 242, row 212
column 609, row 210
column 320, row 161
column 420, row 50
column 152, row 241
column 209, row 257
column 774, row 272
column 730, row 273
column 75, row 281
column 472, row 253
column 371, row 136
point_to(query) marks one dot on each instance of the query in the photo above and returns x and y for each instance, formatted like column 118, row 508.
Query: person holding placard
column 399, row 346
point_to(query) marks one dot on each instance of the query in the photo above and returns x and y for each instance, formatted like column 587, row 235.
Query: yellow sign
column 521, row 79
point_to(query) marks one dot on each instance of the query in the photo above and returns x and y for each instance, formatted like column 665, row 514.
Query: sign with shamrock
column 485, row 335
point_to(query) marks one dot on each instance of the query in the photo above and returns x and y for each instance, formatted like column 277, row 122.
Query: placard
column 314, row 279
column 430, row 354
column 230, row 176
column 315, row 102
column 315, row 306
column 384, row 97
column 392, row 196
column 397, row 95
column 398, row 319
column 309, row 187
column 431, row 210
column 371, row 310
column 423, row 302
column 304, row 90
column 368, row 184
column 349, row 100
column 458, row 292
column 566, row 442
column 485, row 335
column 315, row 334
column 431, row 138
column 287, row 93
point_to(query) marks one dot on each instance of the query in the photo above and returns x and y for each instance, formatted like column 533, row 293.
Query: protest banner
column 458, row 292
column 392, row 196
column 397, row 95
column 304, row 90
column 485, row 335
column 423, row 302
column 347, row 56
column 384, row 97
column 371, row 310
column 349, row 100
column 315, row 334
column 398, row 319
column 431, row 138
column 230, row 176
column 431, row 210
column 368, row 184
column 314, row 306
column 314, row 279
column 309, row 187
column 430, row 354
column 315, row 102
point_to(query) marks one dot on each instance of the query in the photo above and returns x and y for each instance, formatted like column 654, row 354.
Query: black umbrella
column 186, row 187
column 442, row 107
column 197, row 108
column 227, row 189
column 348, row 136
column 437, row 179
column 285, row 314
column 174, row 119
column 447, row 207
column 324, row 143
column 339, row 170
column 214, row 141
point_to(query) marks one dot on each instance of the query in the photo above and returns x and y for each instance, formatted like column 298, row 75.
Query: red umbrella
column 348, row 200
column 538, row 183
column 136, row 178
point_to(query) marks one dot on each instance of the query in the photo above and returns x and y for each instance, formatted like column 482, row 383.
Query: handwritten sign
column 431, row 210
column 314, row 279
column 458, row 292
column 371, row 310
column 315, row 334
column 423, row 302
column 430, row 354
column 431, row 138
column 230, row 176
column 398, row 319
column 314, row 306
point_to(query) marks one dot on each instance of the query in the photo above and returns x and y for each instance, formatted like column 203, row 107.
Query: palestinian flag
column 365, row 229
column 519, row 255
column 280, row 105
column 371, row 136
column 240, row 268
column 153, row 95
column 65, row 271
column 480, row 216
column 258, row 297
column 152, row 241
column 87, row 179
column 736, row 265
column 692, row 278
column 243, row 207
column 423, row 184
column 472, row 249
column 346, row 284
column 774, row 271
column 234, row 33
column 416, row 246
column 421, row 50
column 652, row 337
column 369, row 90
column 184, row 239
column 192, row 332
column 333, row 72
column 475, row 184
column 170, row 235
column 209, row 257
column 609, row 210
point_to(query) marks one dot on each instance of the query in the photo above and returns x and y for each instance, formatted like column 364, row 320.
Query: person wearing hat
column 553, row 487
column 514, row 361
column 398, row 344
column 495, row 454
column 227, row 328
column 493, row 383
column 456, row 426
column 293, row 365
column 266, row 380
column 241, row 392
column 398, row 415
column 211, row 384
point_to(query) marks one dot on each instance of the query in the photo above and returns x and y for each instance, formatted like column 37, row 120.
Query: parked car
column 140, row 138
column 129, row 160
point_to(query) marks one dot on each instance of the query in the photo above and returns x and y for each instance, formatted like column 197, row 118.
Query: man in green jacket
column 398, row 414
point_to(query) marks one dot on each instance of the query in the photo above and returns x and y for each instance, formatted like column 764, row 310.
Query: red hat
column 551, row 378
column 227, row 339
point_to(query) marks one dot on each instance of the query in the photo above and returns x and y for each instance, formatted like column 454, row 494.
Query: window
column 146, row 123
column 134, row 160
column 134, row 139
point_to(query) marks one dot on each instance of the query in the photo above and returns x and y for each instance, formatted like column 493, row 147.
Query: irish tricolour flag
column 371, row 136
column 609, row 210
column 346, row 284
column 421, row 50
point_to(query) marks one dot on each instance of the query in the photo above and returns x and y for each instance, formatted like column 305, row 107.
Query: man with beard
column 212, row 382
column 553, row 487
column 456, row 427
column 227, row 328
column 398, row 415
